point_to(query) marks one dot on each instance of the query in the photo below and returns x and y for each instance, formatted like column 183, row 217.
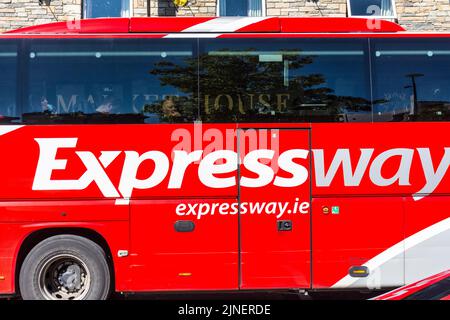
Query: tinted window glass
column 105, row 81
column 275, row 80
column 411, row 80
column 8, row 81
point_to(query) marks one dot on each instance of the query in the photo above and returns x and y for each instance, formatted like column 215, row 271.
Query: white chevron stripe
column 224, row 24
column 397, row 249
column 192, row 35
column 7, row 129
column 216, row 27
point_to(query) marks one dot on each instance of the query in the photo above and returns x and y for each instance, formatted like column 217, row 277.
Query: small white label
column 122, row 253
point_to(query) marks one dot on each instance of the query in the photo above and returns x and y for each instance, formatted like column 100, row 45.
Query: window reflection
column 86, row 81
column 108, row 82
column 300, row 80
column 411, row 80
column 8, row 80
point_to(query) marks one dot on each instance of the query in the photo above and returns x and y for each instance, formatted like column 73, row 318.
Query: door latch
column 284, row 225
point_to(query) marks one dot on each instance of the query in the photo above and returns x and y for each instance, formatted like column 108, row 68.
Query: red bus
column 182, row 154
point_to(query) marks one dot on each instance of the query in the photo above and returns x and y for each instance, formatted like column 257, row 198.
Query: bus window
column 8, row 81
column 411, row 79
column 279, row 80
column 110, row 81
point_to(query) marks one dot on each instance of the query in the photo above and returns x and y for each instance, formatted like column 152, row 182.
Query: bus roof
column 214, row 25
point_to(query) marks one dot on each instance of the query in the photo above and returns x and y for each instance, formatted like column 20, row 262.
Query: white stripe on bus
column 225, row 24
column 8, row 129
column 397, row 249
column 192, row 35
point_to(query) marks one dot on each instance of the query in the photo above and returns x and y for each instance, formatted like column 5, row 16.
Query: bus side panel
column 351, row 232
column 165, row 258
column 376, row 161
column 10, row 236
column 427, row 249
column 392, row 158
column 25, row 218
column 77, row 162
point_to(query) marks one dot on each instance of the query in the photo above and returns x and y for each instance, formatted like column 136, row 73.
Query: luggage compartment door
column 274, row 204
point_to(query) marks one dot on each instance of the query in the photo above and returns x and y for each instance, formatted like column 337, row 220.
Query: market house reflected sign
column 263, row 103
column 245, row 102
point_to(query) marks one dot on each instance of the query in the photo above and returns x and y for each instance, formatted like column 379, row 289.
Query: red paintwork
column 267, row 25
column 174, row 25
column 336, row 35
column 227, row 35
column 99, row 25
column 336, row 25
column 224, row 252
column 381, row 137
column 164, row 24
column 162, row 259
column 26, row 158
column 354, row 236
column 405, row 291
column 211, row 258
column 270, row 258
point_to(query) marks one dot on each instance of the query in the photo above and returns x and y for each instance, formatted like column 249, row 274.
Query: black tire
column 51, row 257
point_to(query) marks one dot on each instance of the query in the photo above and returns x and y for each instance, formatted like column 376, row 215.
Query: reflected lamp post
column 413, row 77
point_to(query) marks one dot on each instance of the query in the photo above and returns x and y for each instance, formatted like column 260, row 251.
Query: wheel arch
column 40, row 235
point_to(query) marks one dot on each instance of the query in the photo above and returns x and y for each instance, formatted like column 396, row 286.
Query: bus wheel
column 65, row 267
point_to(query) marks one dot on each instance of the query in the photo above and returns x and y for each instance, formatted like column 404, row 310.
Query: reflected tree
column 245, row 87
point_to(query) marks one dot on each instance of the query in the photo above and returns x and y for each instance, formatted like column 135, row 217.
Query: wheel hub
column 71, row 278
column 64, row 277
